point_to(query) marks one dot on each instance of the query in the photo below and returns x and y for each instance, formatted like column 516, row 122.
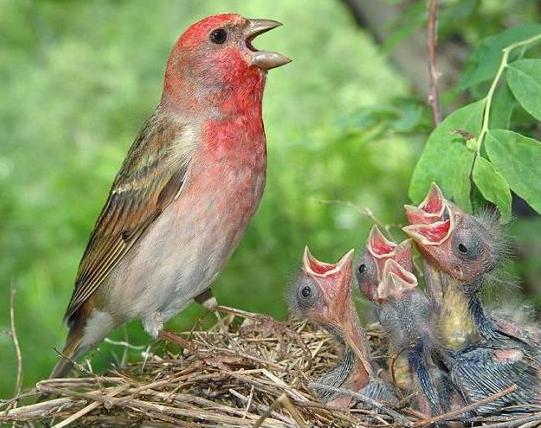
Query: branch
column 364, row 399
column 432, row 30
column 13, row 334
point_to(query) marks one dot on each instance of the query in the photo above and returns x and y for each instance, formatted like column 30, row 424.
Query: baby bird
column 385, row 277
column 466, row 249
column 322, row 294
column 378, row 250
column 432, row 217
column 407, row 315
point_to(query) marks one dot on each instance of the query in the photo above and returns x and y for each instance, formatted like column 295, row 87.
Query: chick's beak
column 265, row 60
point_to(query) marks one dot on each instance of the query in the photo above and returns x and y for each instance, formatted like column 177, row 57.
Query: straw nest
column 247, row 371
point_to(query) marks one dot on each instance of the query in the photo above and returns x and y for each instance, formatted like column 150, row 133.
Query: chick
column 322, row 293
column 466, row 249
column 407, row 315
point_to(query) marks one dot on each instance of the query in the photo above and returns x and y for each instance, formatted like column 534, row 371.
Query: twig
column 282, row 400
column 249, row 403
column 92, row 406
column 39, row 410
column 467, row 408
column 526, row 420
column 124, row 344
column 395, row 415
column 13, row 334
column 432, row 30
column 286, row 402
column 363, row 212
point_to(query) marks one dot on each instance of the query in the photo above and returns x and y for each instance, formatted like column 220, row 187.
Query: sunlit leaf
column 445, row 159
column 524, row 78
column 518, row 159
column 461, row 179
column 493, row 186
column 502, row 108
column 485, row 59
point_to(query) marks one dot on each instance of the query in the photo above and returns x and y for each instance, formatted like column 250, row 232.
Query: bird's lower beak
column 351, row 340
column 263, row 59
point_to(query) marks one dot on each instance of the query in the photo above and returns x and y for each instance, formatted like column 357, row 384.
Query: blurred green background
column 77, row 79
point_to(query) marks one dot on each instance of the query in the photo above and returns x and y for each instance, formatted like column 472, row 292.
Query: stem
column 433, row 97
column 490, row 95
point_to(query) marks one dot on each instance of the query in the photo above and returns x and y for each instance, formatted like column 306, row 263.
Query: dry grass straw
column 247, row 371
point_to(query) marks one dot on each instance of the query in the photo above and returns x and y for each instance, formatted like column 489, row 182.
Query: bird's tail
column 71, row 352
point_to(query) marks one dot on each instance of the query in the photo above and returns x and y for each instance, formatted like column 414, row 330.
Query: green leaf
column 493, row 186
column 503, row 104
column 445, row 159
column 524, row 79
column 518, row 159
column 461, row 179
column 485, row 60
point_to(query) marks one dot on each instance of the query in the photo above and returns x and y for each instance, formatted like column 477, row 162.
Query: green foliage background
column 77, row 80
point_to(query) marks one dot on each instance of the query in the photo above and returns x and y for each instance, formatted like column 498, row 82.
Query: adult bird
column 322, row 293
column 190, row 183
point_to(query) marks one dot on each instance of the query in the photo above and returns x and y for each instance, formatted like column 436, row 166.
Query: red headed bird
column 189, row 185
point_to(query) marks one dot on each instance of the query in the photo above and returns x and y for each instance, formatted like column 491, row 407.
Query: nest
column 249, row 370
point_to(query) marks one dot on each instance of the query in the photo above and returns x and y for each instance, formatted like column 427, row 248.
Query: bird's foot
column 153, row 324
column 209, row 302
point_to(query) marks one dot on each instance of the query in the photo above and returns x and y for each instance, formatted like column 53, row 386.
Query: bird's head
column 464, row 246
column 322, row 291
column 396, row 282
column 378, row 250
column 216, row 54
column 322, row 294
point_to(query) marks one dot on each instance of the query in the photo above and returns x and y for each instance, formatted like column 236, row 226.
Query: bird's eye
column 462, row 248
column 362, row 268
column 306, row 292
column 218, row 36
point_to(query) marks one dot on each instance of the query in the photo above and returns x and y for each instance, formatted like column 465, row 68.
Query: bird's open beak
column 430, row 234
column 396, row 281
column 263, row 59
column 354, row 341
column 430, row 210
column 378, row 245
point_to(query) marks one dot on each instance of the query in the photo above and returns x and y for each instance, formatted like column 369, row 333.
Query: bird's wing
column 150, row 178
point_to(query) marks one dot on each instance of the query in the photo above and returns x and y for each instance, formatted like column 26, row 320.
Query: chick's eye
column 218, row 36
column 306, row 291
column 362, row 268
column 462, row 248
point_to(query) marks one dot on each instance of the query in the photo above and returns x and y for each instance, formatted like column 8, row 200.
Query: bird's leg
column 209, row 302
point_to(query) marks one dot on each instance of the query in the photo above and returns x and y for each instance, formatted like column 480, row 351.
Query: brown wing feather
column 145, row 185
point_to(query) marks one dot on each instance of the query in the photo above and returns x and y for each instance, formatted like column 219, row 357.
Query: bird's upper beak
column 430, row 210
column 265, row 60
column 430, row 234
column 378, row 245
column 396, row 281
